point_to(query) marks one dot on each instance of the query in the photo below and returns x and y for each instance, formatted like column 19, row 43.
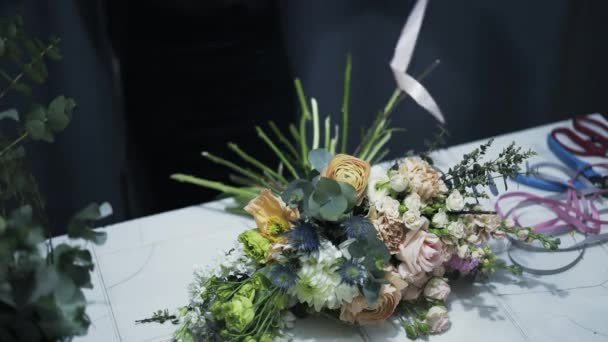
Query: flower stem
column 213, row 185
column 277, row 151
column 345, row 101
column 236, row 149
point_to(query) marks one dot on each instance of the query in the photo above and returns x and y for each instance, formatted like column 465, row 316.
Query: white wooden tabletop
column 146, row 265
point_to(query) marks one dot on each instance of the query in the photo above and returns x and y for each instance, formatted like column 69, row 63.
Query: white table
column 146, row 265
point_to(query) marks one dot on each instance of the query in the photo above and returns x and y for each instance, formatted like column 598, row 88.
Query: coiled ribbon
column 575, row 209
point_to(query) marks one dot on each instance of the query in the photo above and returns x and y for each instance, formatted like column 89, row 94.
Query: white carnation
column 389, row 207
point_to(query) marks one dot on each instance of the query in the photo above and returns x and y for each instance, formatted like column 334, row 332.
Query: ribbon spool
column 575, row 210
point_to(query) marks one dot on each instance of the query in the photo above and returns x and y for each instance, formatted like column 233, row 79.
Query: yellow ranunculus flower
column 271, row 214
column 348, row 169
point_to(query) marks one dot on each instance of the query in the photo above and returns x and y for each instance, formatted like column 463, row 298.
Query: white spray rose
column 440, row 220
column 456, row 229
column 399, row 182
column 413, row 201
column 462, row 251
column 523, row 234
column 413, row 220
column 437, row 319
column 455, row 201
column 389, row 206
column 437, row 288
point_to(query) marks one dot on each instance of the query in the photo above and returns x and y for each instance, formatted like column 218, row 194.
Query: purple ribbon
column 575, row 209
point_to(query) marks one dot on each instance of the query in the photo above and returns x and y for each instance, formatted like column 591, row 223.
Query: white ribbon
column 402, row 57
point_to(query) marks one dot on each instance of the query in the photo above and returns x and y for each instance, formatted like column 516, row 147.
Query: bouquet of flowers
column 344, row 236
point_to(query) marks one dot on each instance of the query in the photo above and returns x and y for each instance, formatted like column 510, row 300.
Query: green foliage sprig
column 41, row 293
column 472, row 171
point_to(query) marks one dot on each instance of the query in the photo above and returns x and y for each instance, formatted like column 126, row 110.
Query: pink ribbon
column 403, row 56
column 576, row 210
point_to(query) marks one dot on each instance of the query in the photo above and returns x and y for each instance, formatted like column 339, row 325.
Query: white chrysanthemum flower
column 319, row 284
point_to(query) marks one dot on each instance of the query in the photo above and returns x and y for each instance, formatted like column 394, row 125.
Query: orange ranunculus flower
column 349, row 169
column 359, row 311
column 271, row 214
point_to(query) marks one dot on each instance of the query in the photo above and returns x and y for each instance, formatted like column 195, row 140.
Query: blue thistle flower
column 357, row 227
column 303, row 238
column 282, row 277
column 352, row 273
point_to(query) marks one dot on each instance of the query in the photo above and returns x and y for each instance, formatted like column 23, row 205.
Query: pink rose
column 420, row 252
column 437, row 319
column 415, row 282
column 437, row 288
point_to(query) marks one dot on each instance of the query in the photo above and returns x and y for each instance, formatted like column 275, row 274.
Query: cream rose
column 437, row 319
column 414, row 221
column 456, row 229
column 437, row 288
column 421, row 252
column 462, row 251
column 455, row 201
column 389, row 207
column 412, row 201
column 440, row 219
column 348, row 169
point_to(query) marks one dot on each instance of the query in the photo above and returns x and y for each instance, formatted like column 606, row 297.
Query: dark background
column 157, row 82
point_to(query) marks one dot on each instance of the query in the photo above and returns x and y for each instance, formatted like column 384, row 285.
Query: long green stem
column 213, row 185
column 277, row 151
column 282, row 138
column 378, row 146
column 345, row 101
column 315, row 124
column 244, row 171
column 251, row 160
column 327, row 132
column 303, row 118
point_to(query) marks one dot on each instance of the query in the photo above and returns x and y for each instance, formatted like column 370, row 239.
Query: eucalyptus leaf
column 11, row 114
column 79, row 226
column 371, row 290
column 349, row 193
column 333, row 210
column 319, row 158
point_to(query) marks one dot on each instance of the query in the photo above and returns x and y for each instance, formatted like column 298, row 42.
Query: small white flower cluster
column 232, row 262
column 319, row 284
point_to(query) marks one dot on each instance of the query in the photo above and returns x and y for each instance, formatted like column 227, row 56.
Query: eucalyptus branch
column 14, row 143
column 36, row 59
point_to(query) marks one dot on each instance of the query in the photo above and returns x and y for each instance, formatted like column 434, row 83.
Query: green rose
column 248, row 291
column 256, row 246
column 238, row 313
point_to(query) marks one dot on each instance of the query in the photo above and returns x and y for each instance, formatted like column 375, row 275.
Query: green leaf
column 79, row 226
column 349, row 193
column 23, row 88
column 37, row 112
column 54, row 53
column 333, row 209
column 10, row 114
column 58, row 120
column 36, row 129
column 319, row 158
